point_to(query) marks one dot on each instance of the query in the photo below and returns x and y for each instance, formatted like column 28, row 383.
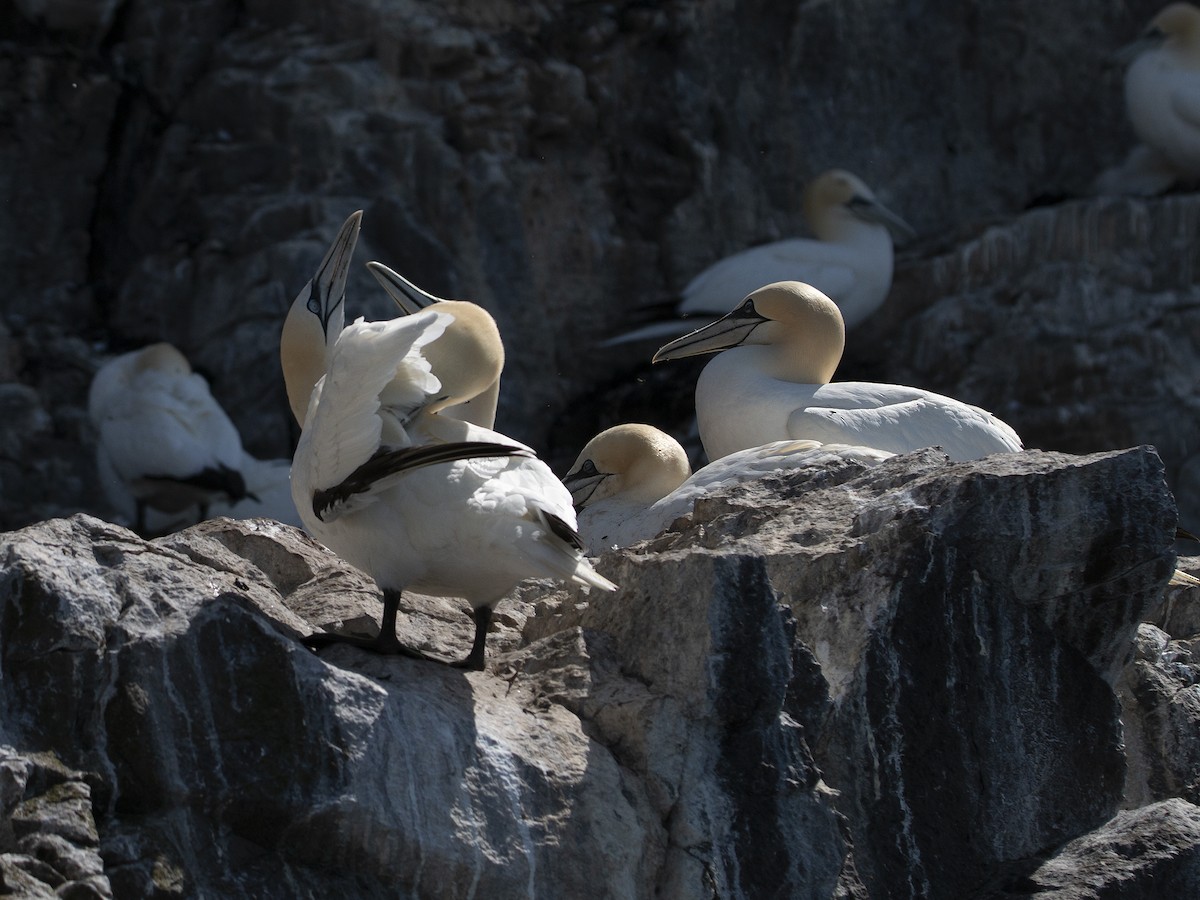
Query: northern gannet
column 850, row 259
column 782, row 346
column 417, row 499
column 479, row 410
column 1162, row 87
column 631, row 481
column 164, row 444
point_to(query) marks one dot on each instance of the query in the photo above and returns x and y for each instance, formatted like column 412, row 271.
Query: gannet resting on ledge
column 631, row 481
column 164, row 443
column 1162, row 87
column 772, row 382
column 268, row 495
column 479, row 410
column 850, row 260
column 417, row 499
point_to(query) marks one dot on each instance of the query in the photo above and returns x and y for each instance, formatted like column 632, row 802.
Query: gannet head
column 836, row 200
column 639, row 462
column 474, row 337
column 316, row 318
column 1175, row 28
column 469, row 356
column 161, row 357
column 802, row 327
column 115, row 376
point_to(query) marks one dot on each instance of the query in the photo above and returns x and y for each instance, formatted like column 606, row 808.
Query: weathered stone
column 1149, row 853
column 917, row 590
column 853, row 684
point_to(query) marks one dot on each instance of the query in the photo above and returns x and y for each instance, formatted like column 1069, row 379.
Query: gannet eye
column 588, row 469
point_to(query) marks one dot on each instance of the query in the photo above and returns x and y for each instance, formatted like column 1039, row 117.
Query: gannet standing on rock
column 1162, row 88
column 415, row 498
column 632, row 481
column 772, row 382
column 164, row 442
column 850, row 260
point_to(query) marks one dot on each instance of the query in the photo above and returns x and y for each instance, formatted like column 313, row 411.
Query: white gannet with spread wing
column 850, row 260
column 418, row 499
column 1162, row 88
column 631, row 481
column 772, row 382
column 165, row 445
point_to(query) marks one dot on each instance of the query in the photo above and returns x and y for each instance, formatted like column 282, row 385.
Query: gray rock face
column 887, row 683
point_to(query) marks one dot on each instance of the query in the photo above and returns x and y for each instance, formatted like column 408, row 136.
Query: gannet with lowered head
column 631, row 481
column 1162, row 87
column 772, row 382
column 479, row 410
column 417, row 499
column 850, row 260
column 165, row 444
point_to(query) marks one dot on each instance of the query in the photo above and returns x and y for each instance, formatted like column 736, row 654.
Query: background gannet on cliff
column 479, row 410
column 631, row 481
column 414, row 498
column 772, row 382
column 164, row 444
column 1162, row 87
column 850, row 260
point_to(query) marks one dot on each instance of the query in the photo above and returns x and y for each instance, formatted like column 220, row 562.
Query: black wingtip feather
column 391, row 460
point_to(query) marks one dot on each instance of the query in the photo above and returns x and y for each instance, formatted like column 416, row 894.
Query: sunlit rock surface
column 889, row 683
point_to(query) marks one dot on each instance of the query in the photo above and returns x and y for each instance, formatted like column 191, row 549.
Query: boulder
column 849, row 683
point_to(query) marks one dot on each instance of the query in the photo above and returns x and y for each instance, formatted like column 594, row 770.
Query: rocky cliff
column 922, row 679
column 178, row 168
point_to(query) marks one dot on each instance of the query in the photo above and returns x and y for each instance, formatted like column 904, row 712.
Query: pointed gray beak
column 873, row 211
column 328, row 286
column 582, row 483
column 406, row 295
column 728, row 331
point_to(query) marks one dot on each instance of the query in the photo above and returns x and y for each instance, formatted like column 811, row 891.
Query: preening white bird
column 417, row 499
column 165, row 444
column 1162, row 87
column 772, row 382
column 479, row 410
column 850, row 260
column 632, row 481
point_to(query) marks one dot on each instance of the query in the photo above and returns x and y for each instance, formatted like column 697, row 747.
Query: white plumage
column 850, row 260
column 416, row 498
column 781, row 347
column 1162, row 88
column 165, row 444
column 632, row 481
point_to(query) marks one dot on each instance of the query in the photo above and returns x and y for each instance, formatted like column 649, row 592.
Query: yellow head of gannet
column 850, row 260
column 632, row 481
column 165, row 444
column 639, row 463
column 782, row 345
column 799, row 330
column 475, row 336
column 419, row 499
column 837, row 202
column 1162, row 88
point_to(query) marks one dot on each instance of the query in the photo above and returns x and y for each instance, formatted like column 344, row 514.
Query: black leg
column 474, row 660
column 139, row 517
column 385, row 642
